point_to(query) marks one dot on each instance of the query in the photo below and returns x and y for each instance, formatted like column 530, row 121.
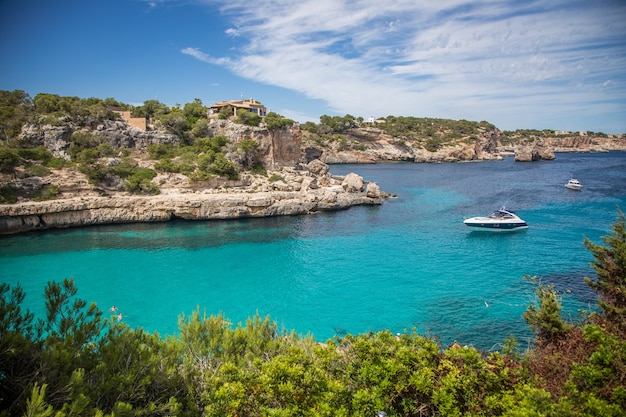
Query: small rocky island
column 75, row 162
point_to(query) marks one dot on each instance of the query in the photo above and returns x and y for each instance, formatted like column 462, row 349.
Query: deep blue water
column 408, row 264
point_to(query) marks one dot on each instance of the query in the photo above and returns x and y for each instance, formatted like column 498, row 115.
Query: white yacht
column 499, row 221
column 574, row 184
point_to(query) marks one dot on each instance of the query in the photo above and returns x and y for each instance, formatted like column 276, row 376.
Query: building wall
column 138, row 122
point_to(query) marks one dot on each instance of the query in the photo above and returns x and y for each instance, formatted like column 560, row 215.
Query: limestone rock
column 535, row 152
column 352, row 183
column 317, row 167
column 301, row 192
column 372, row 190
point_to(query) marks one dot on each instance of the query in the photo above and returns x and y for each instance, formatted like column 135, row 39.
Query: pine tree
column 610, row 264
column 545, row 319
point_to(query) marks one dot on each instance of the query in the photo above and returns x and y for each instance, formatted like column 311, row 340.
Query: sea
column 408, row 265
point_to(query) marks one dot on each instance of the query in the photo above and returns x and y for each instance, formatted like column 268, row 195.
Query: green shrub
column 38, row 153
column 8, row 194
column 95, row 172
column 275, row 121
column 162, row 151
column 167, row 165
column 224, row 168
column 9, row 160
column 56, row 163
column 49, row 192
column 248, row 118
column 140, row 181
column 37, row 171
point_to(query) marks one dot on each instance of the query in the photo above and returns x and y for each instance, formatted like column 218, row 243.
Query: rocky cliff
column 374, row 145
column 277, row 147
column 371, row 145
column 117, row 134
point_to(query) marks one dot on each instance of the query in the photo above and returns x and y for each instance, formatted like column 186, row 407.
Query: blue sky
column 519, row 64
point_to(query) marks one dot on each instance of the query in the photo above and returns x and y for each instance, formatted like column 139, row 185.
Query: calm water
column 410, row 263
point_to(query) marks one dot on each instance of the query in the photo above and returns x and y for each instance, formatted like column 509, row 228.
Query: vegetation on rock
column 114, row 168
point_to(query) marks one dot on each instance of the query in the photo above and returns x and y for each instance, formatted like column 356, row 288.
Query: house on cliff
column 250, row 105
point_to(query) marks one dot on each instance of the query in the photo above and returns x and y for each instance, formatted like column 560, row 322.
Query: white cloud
column 486, row 60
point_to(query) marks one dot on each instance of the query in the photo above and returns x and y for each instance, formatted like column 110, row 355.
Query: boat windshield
column 500, row 214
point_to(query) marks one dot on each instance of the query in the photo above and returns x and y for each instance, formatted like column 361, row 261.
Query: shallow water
column 410, row 263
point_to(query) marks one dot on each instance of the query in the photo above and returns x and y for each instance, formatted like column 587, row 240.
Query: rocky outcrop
column 277, row 147
column 374, row 145
column 117, row 134
column 535, row 152
column 127, row 209
column 297, row 192
column 586, row 144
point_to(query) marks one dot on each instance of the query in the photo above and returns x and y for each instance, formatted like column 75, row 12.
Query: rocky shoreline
column 301, row 183
column 306, row 192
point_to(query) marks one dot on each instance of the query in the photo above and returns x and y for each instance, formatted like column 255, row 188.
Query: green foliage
column 200, row 160
column 167, row 165
column 276, row 177
column 200, row 128
column 150, row 109
column 139, row 181
column 248, row 150
column 162, row 151
column 599, row 379
column 83, row 147
column 194, row 111
column 8, row 194
column 176, row 123
column 38, row 153
column 610, row 264
column 225, row 113
column 248, row 118
column 82, row 112
column 214, row 144
column 16, row 108
column 545, row 319
column 36, row 171
column 49, row 192
column 332, row 124
column 275, row 121
column 9, row 160
column 224, row 167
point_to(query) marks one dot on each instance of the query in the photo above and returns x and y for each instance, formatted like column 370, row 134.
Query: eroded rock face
column 536, row 152
column 117, row 134
column 278, row 147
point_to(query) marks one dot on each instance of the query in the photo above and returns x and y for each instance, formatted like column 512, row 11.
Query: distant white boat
column 574, row 184
column 499, row 221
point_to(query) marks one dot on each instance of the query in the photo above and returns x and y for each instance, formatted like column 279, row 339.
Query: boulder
column 352, row 183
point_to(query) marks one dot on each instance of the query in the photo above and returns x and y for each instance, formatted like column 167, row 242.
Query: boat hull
column 499, row 221
column 574, row 187
column 501, row 227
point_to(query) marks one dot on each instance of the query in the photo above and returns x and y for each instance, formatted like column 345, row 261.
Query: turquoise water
column 410, row 263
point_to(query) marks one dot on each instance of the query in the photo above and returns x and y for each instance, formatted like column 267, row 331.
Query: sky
column 518, row 64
